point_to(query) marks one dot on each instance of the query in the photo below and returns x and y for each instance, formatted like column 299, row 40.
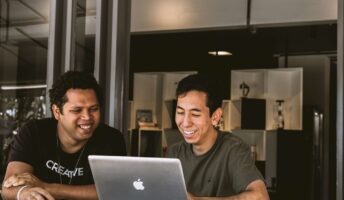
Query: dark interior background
column 251, row 49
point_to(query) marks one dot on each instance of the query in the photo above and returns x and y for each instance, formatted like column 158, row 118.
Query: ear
column 216, row 116
column 56, row 111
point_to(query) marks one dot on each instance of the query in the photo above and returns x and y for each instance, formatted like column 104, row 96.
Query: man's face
column 193, row 118
column 80, row 116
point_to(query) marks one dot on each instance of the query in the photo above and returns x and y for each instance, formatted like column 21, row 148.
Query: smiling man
column 49, row 157
column 216, row 165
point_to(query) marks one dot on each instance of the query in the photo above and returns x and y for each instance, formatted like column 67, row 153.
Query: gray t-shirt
column 225, row 170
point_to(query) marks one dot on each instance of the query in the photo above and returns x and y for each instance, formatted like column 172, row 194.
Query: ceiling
column 188, row 51
column 180, row 51
column 250, row 49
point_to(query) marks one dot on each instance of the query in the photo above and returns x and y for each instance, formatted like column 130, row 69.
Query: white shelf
column 269, row 84
column 253, row 78
column 156, row 91
column 266, row 148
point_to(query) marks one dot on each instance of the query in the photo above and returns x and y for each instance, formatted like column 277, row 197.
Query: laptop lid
column 130, row 178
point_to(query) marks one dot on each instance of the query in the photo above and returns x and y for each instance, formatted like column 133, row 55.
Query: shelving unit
column 245, row 117
column 266, row 149
column 269, row 85
column 155, row 91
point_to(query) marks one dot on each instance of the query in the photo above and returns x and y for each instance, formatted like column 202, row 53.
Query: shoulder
column 229, row 137
column 37, row 126
column 34, row 136
column 107, row 141
column 104, row 129
column 45, row 122
column 105, row 133
column 175, row 149
column 232, row 142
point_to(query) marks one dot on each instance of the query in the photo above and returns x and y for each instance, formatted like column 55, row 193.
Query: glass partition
column 24, row 30
column 85, row 35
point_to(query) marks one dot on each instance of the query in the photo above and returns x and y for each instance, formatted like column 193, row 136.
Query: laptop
column 143, row 178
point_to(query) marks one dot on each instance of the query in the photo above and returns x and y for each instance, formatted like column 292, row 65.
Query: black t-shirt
column 36, row 144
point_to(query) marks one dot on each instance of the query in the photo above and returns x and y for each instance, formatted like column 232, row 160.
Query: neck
column 201, row 149
column 68, row 145
column 71, row 148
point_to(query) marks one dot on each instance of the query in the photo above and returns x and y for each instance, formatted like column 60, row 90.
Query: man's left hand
column 23, row 179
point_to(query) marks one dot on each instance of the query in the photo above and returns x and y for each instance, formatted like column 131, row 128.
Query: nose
column 86, row 115
column 186, row 121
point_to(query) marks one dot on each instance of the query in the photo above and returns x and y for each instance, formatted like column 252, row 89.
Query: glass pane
column 85, row 35
column 24, row 30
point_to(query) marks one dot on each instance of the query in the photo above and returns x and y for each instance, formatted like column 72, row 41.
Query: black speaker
column 253, row 112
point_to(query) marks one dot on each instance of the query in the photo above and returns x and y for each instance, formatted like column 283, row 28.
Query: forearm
column 242, row 196
column 80, row 192
column 256, row 190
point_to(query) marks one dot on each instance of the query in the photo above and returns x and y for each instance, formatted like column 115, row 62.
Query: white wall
column 315, row 67
column 157, row 15
column 172, row 15
column 179, row 15
column 293, row 11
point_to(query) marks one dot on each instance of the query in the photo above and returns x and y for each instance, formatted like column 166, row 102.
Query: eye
column 95, row 109
column 196, row 115
column 75, row 111
column 180, row 113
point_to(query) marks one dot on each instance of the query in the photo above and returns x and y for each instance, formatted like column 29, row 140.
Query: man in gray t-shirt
column 215, row 164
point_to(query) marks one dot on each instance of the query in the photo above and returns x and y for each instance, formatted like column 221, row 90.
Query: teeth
column 188, row 132
column 85, row 126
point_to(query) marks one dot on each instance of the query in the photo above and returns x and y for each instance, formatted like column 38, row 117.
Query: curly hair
column 72, row 80
column 204, row 84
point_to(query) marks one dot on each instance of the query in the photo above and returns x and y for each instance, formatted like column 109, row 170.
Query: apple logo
column 138, row 185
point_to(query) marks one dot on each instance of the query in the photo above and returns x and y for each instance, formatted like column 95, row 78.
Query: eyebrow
column 194, row 109
column 78, row 106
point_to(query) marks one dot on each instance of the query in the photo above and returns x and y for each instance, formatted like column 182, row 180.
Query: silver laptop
column 142, row 178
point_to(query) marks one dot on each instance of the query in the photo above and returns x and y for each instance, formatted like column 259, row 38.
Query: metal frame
column 111, row 52
column 340, row 103
column 112, row 59
column 53, row 47
column 69, row 35
column 61, row 41
column 101, row 22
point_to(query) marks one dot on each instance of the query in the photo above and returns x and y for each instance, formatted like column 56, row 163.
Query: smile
column 85, row 127
column 188, row 133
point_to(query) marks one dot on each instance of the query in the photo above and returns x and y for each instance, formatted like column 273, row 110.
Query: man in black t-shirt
column 48, row 159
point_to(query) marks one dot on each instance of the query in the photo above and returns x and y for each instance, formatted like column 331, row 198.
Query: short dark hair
column 204, row 84
column 73, row 80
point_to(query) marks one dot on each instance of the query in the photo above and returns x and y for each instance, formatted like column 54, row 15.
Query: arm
column 256, row 190
column 11, row 188
column 19, row 174
column 80, row 192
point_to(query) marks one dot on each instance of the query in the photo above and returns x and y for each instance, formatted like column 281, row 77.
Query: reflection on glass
column 85, row 35
column 24, row 30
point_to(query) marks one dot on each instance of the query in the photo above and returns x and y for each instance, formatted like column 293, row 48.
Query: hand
column 23, row 179
column 35, row 193
column 191, row 196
